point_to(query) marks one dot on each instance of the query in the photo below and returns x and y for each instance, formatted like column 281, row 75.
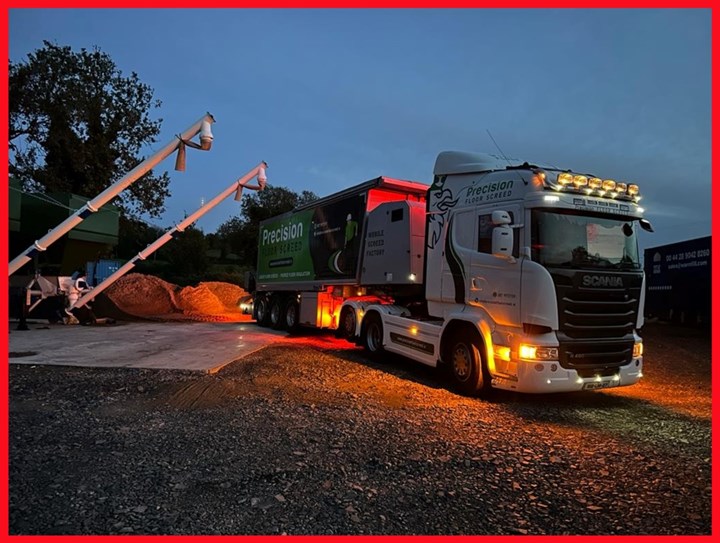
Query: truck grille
column 596, row 324
column 594, row 356
column 596, row 313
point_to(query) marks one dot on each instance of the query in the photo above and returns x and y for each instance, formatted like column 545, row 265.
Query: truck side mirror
column 502, row 241
column 646, row 225
column 500, row 217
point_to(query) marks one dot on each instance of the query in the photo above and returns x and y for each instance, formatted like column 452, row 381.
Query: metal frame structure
column 202, row 126
column 236, row 187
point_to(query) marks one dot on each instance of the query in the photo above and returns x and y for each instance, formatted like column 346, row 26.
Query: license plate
column 601, row 384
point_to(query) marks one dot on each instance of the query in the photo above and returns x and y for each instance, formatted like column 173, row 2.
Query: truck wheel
column 262, row 311
column 347, row 324
column 466, row 366
column 291, row 315
column 372, row 334
column 276, row 313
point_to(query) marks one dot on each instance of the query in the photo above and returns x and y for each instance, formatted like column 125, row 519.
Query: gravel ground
column 314, row 438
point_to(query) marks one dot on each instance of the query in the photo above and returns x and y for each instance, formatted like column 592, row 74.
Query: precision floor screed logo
column 284, row 232
column 491, row 191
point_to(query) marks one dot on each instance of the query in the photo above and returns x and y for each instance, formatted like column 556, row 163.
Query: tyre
column 347, row 325
column 262, row 311
column 276, row 313
column 291, row 315
column 465, row 364
column 372, row 334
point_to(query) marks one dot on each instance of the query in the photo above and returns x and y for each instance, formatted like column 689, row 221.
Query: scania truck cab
column 532, row 280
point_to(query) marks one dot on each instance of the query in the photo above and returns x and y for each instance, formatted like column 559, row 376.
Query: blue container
column 99, row 270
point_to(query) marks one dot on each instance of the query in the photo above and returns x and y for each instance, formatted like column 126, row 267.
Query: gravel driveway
column 314, row 438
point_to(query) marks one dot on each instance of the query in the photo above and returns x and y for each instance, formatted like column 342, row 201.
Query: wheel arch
column 359, row 307
column 368, row 314
column 480, row 330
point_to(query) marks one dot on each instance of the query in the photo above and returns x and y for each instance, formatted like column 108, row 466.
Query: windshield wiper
column 626, row 265
column 589, row 260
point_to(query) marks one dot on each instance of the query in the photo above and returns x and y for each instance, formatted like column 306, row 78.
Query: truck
column 679, row 279
column 505, row 275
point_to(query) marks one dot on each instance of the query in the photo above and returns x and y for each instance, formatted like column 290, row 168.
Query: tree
column 187, row 253
column 78, row 125
column 241, row 233
column 134, row 236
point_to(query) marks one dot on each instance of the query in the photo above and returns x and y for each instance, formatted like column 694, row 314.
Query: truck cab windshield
column 567, row 239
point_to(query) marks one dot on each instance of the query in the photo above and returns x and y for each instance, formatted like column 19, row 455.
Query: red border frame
column 15, row 4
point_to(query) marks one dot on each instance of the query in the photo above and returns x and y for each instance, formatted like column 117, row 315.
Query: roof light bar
column 595, row 183
column 565, row 179
column 570, row 182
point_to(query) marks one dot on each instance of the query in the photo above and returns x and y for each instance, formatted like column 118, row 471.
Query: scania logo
column 602, row 281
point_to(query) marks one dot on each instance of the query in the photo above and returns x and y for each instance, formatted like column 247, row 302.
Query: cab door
column 494, row 282
column 458, row 253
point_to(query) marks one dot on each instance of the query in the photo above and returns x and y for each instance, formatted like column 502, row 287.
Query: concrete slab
column 198, row 346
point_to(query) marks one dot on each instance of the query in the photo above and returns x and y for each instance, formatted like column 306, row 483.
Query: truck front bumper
column 548, row 376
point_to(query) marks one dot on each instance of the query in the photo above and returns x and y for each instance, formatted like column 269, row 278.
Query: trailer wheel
column 291, row 315
column 466, row 365
column 262, row 311
column 372, row 334
column 276, row 313
column 347, row 325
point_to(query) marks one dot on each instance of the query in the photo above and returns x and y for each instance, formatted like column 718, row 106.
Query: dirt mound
column 229, row 295
column 199, row 299
column 143, row 295
column 148, row 297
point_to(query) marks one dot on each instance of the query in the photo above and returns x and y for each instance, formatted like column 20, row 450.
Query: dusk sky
column 331, row 98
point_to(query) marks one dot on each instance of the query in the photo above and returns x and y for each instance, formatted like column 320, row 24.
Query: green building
column 32, row 215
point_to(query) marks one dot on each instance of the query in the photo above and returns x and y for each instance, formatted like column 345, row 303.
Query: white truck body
column 529, row 279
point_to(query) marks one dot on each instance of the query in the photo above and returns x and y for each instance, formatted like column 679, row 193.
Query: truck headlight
column 637, row 350
column 533, row 352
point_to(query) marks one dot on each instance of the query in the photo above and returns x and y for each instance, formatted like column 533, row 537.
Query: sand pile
column 149, row 297
column 200, row 300
column 230, row 295
column 143, row 295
